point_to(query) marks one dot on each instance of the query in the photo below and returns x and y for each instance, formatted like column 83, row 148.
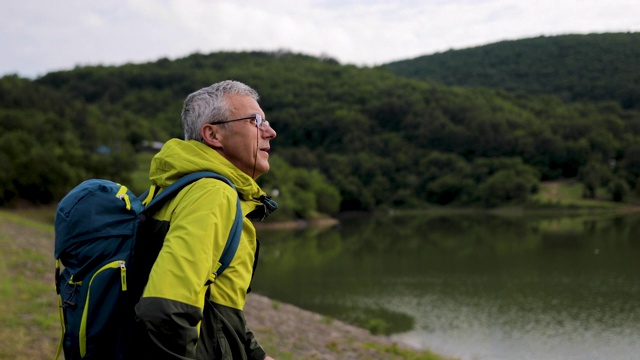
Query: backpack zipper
column 83, row 323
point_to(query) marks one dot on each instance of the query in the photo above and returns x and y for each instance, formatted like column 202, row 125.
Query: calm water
column 471, row 286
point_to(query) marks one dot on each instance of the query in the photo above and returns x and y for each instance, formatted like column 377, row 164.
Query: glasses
column 260, row 122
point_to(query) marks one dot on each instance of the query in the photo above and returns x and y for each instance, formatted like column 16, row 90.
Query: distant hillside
column 349, row 138
column 590, row 67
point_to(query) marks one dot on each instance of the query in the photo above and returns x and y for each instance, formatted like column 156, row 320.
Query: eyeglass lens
column 260, row 121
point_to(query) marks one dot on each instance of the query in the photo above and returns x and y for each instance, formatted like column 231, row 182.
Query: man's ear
column 211, row 135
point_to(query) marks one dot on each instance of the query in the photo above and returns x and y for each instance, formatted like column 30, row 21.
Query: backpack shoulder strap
column 236, row 229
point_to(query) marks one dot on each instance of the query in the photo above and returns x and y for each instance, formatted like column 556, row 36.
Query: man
column 185, row 311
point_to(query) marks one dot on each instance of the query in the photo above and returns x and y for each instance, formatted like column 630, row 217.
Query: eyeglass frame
column 260, row 121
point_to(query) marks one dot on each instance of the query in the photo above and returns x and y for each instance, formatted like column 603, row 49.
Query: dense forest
column 349, row 138
column 592, row 67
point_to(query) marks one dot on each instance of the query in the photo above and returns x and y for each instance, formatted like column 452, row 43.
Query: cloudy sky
column 39, row 36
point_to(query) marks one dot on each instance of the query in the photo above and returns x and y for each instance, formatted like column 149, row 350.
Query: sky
column 41, row 36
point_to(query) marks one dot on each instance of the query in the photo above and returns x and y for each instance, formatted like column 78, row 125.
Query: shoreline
column 288, row 332
column 297, row 224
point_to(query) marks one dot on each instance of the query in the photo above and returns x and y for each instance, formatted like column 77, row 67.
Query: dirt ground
column 293, row 333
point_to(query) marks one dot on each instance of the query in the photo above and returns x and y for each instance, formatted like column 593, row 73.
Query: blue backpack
column 108, row 241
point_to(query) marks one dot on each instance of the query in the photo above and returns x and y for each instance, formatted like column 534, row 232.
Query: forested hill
column 349, row 138
column 574, row 67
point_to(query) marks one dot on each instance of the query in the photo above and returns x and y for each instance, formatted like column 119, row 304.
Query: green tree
column 618, row 189
column 300, row 193
column 507, row 186
column 594, row 175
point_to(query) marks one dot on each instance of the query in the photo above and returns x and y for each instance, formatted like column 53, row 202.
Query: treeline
column 349, row 138
column 594, row 67
column 50, row 140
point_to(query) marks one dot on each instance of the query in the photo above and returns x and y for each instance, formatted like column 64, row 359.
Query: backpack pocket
column 91, row 332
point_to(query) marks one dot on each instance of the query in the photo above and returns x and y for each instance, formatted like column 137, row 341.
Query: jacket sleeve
column 253, row 349
column 164, row 323
column 170, row 310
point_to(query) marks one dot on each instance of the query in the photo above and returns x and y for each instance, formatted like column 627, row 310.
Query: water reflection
column 473, row 286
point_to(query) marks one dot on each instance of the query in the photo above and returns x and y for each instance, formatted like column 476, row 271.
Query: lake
column 473, row 286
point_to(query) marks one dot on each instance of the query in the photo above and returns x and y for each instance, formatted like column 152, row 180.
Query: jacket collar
column 178, row 158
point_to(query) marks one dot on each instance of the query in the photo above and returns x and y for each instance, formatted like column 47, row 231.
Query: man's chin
column 261, row 170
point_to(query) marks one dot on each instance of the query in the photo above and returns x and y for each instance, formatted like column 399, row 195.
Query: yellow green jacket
column 178, row 322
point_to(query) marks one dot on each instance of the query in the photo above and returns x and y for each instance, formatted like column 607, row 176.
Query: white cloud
column 39, row 36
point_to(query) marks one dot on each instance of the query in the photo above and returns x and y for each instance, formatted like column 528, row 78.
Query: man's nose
column 268, row 131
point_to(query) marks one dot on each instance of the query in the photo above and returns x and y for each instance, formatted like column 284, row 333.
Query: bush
column 299, row 192
column 618, row 189
column 506, row 186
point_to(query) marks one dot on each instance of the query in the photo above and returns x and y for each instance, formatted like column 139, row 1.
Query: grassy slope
column 568, row 194
column 140, row 177
column 29, row 326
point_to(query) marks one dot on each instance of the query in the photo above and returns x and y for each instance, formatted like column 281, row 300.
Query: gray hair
column 210, row 104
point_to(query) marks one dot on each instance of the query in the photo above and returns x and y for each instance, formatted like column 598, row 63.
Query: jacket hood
column 178, row 158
